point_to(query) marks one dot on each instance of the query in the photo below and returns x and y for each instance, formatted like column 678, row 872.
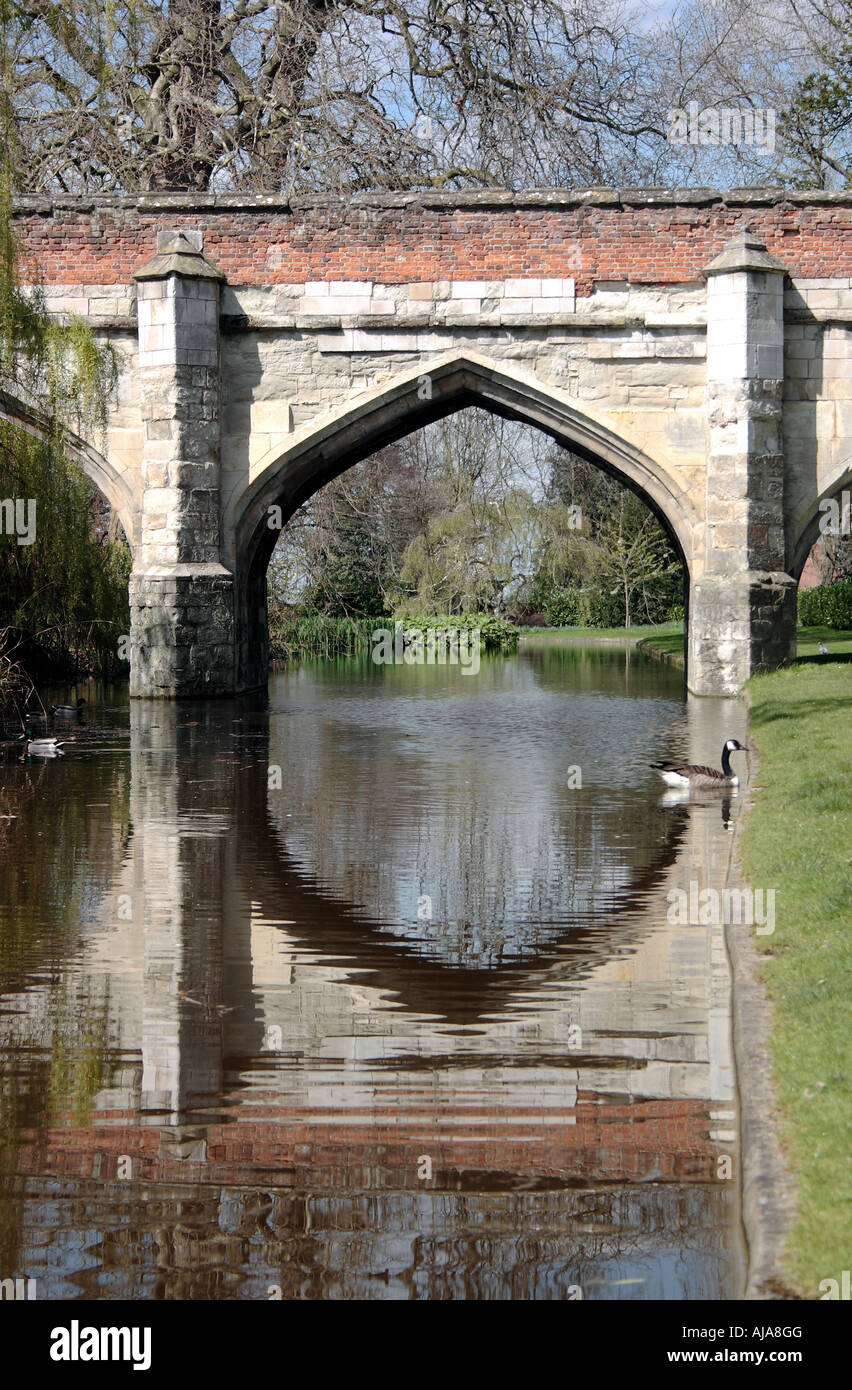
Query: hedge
column 828, row 605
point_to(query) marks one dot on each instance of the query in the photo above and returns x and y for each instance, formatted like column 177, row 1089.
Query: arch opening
column 399, row 408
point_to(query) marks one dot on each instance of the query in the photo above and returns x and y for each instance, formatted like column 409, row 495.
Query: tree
column 832, row 557
column 818, row 120
column 477, row 513
column 60, row 579
column 329, row 94
column 473, row 559
column 622, row 555
column 635, row 555
column 301, row 96
column 340, row 555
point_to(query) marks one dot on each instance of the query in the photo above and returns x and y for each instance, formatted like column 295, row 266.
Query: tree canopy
column 320, row 93
column 300, row 96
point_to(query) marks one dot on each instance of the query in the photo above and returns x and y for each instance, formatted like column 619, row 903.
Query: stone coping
column 490, row 198
column 577, row 323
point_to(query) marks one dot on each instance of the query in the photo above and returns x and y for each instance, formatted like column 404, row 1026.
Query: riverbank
column 666, row 646
column 625, row 636
column 796, row 841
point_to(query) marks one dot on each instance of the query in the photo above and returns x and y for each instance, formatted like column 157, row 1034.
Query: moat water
column 372, row 988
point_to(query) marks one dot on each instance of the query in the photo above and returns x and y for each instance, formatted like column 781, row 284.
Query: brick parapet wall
column 643, row 236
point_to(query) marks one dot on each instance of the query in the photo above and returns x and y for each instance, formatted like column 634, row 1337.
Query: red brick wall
column 810, row 577
column 446, row 237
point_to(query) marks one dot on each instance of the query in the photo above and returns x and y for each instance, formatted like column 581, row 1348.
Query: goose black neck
column 727, row 770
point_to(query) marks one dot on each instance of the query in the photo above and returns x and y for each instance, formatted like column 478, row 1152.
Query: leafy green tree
column 340, row 555
column 621, row 568
column 476, row 558
column 62, row 585
column 477, row 514
column 347, row 589
column 636, row 558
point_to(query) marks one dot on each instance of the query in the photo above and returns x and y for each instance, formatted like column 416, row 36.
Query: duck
column 68, row 711
column 698, row 777
column 44, row 747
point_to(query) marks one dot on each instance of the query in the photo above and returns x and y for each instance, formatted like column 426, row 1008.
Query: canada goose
column 43, row 747
column 696, row 775
column 67, row 711
column 823, row 649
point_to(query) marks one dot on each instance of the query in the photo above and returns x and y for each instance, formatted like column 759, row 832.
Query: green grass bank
column 797, row 839
column 666, row 632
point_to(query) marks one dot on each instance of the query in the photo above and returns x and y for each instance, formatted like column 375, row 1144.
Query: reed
column 294, row 636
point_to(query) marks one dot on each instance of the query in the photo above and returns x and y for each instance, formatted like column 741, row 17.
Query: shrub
column 495, row 634
column 562, row 608
column 605, row 609
column 295, row 635
column 828, row 605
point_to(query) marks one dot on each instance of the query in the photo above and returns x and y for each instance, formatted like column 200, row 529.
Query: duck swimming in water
column 68, row 711
column 699, row 777
column 43, row 747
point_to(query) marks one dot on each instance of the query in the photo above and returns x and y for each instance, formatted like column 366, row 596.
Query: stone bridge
column 693, row 343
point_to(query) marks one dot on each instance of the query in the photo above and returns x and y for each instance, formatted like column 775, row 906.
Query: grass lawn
column 668, row 642
column 797, row 838
column 673, row 631
column 838, row 641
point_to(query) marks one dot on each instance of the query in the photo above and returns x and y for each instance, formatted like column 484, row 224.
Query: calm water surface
column 369, row 990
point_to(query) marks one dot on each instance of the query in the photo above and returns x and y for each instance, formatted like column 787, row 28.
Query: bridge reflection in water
column 423, row 945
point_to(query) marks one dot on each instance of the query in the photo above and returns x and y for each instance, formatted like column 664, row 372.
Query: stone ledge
column 202, row 570
column 489, row 198
column 403, row 323
column 113, row 323
column 842, row 317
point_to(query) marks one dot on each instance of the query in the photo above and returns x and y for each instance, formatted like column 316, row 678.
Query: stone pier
column 181, row 595
column 743, row 607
